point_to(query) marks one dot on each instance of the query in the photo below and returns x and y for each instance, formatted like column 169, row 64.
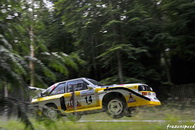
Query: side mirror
column 90, row 87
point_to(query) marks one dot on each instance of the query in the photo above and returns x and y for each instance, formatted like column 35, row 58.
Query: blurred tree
column 78, row 18
column 12, row 64
column 119, row 40
column 178, row 19
column 22, row 41
column 43, row 63
column 115, row 37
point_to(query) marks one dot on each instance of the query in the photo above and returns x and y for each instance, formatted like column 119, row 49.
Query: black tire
column 131, row 111
column 115, row 107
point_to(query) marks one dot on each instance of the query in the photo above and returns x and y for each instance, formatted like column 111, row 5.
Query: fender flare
column 129, row 90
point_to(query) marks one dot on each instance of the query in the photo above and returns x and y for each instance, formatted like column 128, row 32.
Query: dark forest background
column 112, row 41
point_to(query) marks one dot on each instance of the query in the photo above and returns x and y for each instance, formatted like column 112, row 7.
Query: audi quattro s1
column 84, row 95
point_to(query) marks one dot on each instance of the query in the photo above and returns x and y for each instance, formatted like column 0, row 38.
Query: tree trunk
column 32, row 50
column 115, row 41
column 32, row 54
column 5, row 90
column 5, row 107
column 93, row 42
column 167, row 63
column 120, row 70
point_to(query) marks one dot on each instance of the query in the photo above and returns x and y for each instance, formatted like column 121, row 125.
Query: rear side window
column 144, row 88
column 148, row 88
column 78, row 85
column 141, row 88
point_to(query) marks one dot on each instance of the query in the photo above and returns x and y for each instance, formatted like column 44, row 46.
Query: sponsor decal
column 129, row 90
column 87, row 93
column 70, row 103
column 88, row 100
column 131, row 99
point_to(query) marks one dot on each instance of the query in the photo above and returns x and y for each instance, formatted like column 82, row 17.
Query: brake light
column 149, row 93
column 144, row 93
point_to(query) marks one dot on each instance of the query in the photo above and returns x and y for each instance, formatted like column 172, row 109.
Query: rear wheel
column 74, row 116
column 115, row 107
column 51, row 112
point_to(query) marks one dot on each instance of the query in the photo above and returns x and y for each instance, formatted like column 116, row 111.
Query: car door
column 72, row 96
column 52, row 95
column 88, row 96
column 79, row 95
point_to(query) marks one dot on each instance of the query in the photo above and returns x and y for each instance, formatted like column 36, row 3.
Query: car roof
column 83, row 78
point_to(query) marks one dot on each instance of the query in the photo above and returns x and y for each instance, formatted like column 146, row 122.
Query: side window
column 48, row 91
column 141, row 88
column 70, row 86
column 59, row 89
column 78, row 84
column 148, row 88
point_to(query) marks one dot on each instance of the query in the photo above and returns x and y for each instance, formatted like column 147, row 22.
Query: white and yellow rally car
column 84, row 95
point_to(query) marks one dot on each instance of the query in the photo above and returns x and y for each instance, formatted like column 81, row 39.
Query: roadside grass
column 163, row 112
column 63, row 125
column 171, row 114
column 105, row 126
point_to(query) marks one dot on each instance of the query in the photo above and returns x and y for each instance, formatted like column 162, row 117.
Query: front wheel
column 115, row 108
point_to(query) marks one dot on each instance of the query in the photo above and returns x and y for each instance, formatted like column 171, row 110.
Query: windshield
column 47, row 91
column 95, row 82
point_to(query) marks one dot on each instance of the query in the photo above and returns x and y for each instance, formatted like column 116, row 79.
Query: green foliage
column 115, row 80
column 15, row 45
column 12, row 65
column 105, row 32
column 114, row 41
column 179, row 25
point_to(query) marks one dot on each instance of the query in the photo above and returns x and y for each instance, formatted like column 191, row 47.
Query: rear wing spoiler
column 35, row 88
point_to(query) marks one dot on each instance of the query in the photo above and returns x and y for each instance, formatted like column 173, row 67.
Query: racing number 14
column 88, row 100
